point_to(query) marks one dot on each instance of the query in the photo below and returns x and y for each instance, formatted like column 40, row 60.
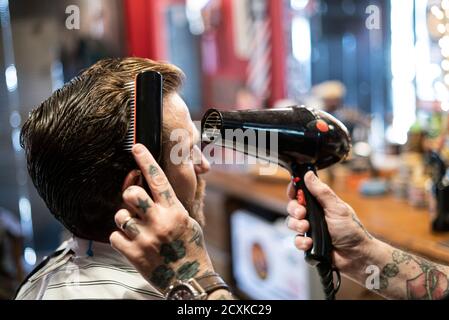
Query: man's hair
column 74, row 144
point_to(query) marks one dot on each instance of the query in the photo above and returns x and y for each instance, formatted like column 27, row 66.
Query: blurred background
column 380, row 66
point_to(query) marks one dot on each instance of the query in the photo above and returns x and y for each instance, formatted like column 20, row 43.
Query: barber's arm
column 160, row 238
column 358, row 254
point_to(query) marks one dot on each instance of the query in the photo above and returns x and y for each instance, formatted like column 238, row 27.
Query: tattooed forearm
column 423, row 279
column 143, row 205
column 391, row 270
column 168, row 196
column 197, row 236
column 188, row 270
column 173, row 251
column 356, row 220
column 400, row 256
column 431, row 284
column 162, row 276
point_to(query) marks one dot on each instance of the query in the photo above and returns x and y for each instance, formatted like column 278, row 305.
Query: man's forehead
column 177, row 116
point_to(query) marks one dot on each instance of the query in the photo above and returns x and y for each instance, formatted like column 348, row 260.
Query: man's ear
column 134, row 178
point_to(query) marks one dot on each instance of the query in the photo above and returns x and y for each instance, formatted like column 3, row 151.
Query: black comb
column 146, row 113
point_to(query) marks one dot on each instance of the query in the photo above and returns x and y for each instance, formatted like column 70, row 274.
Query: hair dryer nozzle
column 211, row 126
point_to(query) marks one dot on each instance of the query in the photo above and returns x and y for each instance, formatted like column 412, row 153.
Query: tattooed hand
column 349, row 237
column 157, row 235
column 401, row 275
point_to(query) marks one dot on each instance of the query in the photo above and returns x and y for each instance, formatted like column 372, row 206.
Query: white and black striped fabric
column 82, row 269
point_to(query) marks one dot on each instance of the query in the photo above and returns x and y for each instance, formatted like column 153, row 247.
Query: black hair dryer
column 305, row 139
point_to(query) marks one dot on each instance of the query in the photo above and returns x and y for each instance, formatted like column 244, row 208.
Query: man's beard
column 195, row 206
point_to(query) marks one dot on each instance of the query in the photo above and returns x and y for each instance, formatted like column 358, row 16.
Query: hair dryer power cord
column 326, row 272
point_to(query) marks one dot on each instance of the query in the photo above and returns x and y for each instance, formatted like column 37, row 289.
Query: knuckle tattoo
column 167, row 195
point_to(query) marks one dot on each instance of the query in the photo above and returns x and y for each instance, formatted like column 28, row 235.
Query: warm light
column 440, row 89
column 437, row 12
column 362, row 149
column 444, row 42
column 444, row 4
column 441, row 28
column 445, row 65
column 445, row 52
column 445, row 106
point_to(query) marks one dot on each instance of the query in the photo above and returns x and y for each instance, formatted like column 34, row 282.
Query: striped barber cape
column 83, row 269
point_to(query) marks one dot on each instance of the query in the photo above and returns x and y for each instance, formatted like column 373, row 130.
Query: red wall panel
column 278, row 53
column 145, row 28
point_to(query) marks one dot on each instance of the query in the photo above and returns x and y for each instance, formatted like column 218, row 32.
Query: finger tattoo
column 156, row 175
column 143, row 205
column 168, row 196
column 153, row 171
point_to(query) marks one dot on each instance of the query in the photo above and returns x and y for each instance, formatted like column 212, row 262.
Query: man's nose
column 203, row 167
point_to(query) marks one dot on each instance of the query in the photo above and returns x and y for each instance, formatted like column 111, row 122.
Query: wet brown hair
column 74, row 144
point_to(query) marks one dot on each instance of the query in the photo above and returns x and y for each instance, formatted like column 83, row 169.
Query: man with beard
column 76, row 159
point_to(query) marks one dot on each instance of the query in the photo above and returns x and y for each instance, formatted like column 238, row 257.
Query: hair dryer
column 306, row 139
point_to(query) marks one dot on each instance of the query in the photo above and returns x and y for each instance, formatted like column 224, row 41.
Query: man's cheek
column 184, row 182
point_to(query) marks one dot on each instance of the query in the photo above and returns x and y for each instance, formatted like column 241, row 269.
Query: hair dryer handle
column 318, row 231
